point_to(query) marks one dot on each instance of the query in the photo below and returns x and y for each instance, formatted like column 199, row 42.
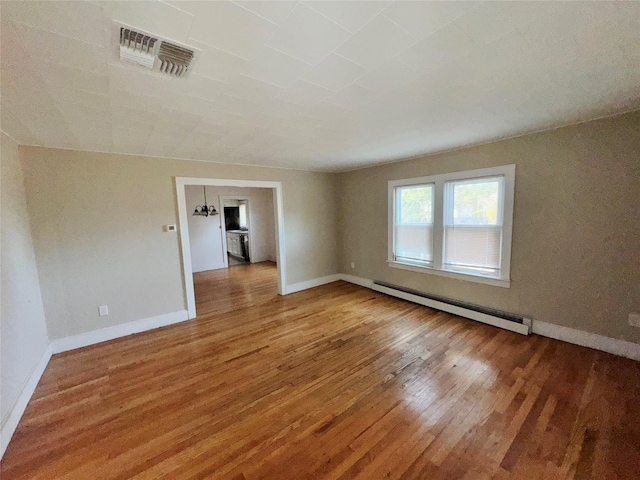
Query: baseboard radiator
column 498, row 318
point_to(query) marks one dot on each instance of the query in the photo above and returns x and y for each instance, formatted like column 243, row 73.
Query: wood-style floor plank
column 337, row 382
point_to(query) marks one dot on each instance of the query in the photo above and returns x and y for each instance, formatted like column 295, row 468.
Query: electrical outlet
column 634, row 319
column 103, row 310
column 353, row 264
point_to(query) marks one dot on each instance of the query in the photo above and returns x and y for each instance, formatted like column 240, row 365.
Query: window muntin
column 414, row 226
column 463, row 232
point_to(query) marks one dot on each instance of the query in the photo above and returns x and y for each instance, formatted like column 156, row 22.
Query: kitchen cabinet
column 238, row 244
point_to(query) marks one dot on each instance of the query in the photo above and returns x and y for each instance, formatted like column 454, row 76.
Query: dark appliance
column 232, row 218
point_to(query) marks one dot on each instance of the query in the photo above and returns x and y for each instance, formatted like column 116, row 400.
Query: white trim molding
column 615, row 346
column 469, row 277
column 11, row 421
column 442, row 208
column 185, row 246
column 363, row 282
column 315, row 282
column 109, row 333
column 521, row 328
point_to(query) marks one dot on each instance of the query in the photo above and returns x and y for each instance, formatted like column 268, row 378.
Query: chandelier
column 203, row 209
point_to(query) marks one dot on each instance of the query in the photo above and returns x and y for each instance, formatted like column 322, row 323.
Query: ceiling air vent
column 174, row 60
column 141, row 49
column 137, row 48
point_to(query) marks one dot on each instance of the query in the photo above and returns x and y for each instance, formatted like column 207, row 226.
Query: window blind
column 473, row 225
column 414, row 224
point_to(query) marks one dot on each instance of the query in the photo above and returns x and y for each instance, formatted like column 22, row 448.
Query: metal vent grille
column 137, row 41
column 174, row 60
column 142, row 49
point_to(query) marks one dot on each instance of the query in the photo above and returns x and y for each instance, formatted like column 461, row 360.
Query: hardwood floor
column 235, row 288
column 331, row 383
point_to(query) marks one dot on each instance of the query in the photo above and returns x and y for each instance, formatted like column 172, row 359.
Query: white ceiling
column 315, row 85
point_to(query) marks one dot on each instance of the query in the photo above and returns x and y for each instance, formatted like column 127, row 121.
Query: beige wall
column 576, row 235
column 205, row 234
column 23, row 332
column 97, row 227
column 97, row 224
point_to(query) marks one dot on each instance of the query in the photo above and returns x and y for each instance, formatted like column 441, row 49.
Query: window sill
column 497, row 282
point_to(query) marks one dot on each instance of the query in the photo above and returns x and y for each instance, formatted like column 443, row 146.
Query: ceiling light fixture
column 203, row 209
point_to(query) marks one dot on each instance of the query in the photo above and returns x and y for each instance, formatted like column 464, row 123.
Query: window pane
column 415, row 204
column 473, row 225
column 477, row 202
column 243, row 215
column 414, row 224
column 414, row 242
column 473, row 247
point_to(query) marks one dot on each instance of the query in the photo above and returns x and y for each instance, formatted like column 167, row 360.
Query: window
column 414, row 226
column 243, row 215
column 473, row 225
column 456, row 224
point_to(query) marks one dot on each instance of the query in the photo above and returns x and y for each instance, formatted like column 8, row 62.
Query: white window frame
column 397, row 211
column 437, row 268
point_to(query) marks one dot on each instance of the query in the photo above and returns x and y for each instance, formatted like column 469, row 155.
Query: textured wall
column 576, row 236
column 97, row 227
column 23, row 332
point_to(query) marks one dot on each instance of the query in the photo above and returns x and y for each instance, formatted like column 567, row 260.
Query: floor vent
column 497, row 318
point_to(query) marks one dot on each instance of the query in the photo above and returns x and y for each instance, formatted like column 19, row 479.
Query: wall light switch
column 634, row 319
column 169, row 228
column 353, row 264
column 103, row 310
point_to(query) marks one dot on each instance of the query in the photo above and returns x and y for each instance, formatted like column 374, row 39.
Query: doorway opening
column 238, row 236
column 247, row 228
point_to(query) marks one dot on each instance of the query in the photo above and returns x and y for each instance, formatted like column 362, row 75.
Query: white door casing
column 185, row 246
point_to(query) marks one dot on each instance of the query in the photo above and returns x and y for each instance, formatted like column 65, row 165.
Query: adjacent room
column 319, row 240
column 241, row 234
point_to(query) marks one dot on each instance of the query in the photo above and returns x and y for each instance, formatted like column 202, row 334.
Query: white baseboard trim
column 570, row 335
column 523, row 329
column 16, row 411
column 618, row 347
column 520, row 328
column 363, row 282
column 316, row 282
column 109, row 333
column 60, row 345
